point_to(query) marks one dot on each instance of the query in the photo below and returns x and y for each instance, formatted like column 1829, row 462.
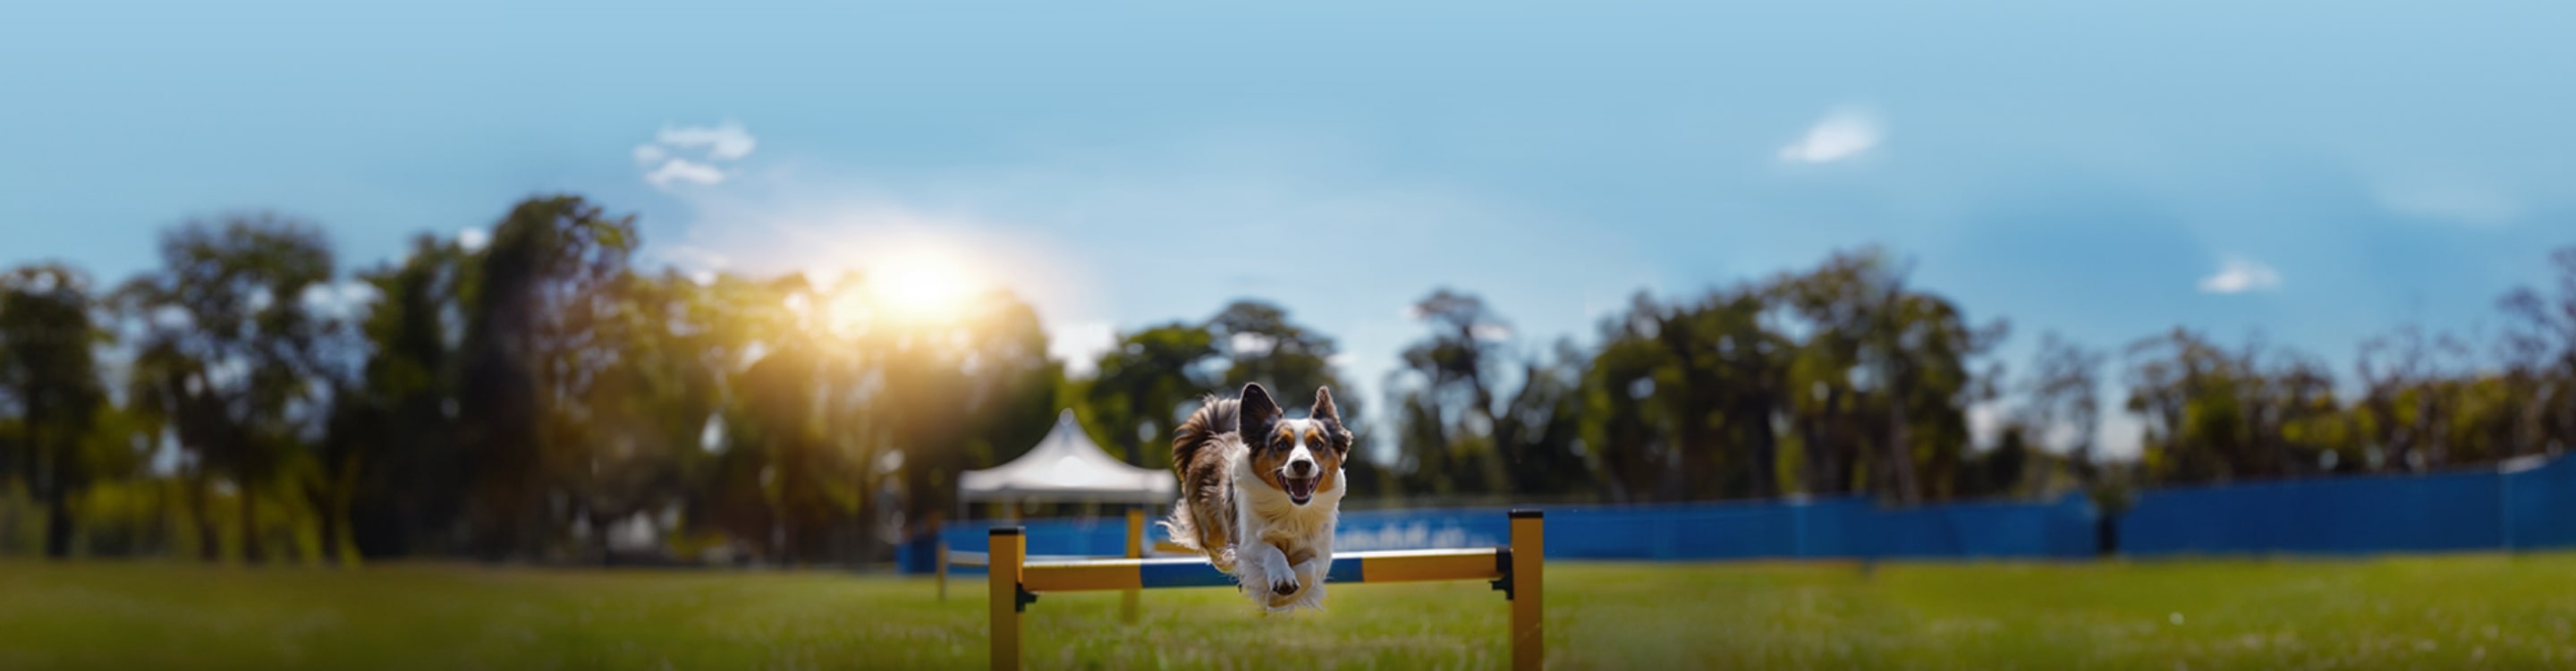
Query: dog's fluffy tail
column 1183, row 529
column 1204, row 495
column 1215, row 416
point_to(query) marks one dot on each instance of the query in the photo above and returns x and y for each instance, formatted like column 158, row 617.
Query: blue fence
column 1710, row 531
column 2532, row 506
column 2524, row 508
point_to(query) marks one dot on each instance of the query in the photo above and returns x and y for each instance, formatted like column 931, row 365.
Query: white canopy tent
column 1066, row 467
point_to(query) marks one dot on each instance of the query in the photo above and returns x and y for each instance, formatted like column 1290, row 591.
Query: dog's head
column 1295, row 456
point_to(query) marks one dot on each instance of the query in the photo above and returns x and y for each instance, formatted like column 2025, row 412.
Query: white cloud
column 1840, row 135
column 1080, row 344
column 723, row 142
column 473, row 239
column 2451, row 201
column 684, row 170
column 693, row 154
column 2239, row 275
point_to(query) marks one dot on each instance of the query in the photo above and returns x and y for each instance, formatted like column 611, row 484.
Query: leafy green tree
column 1624, row 429
column 1460, row 433
column 2182, row 388
column 2065, row 399
column 1261, row 345
column 2406, row 389
column 968, row 393
column 1887, row 374
column 804, row 481
column 1724, row 388
column 742, row 326
column 2000, row 471
column 395, row 432
column 232, row 352
column 2539, row 356
column 1686, row 397
column 1258, row 342
column 1840, row 303
column 2213, row 415
column 1137, row 398
column 648, row 407
column 47, row 334
column 528, row 362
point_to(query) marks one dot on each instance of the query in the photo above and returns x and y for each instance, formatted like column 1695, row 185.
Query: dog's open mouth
column 1300, row 490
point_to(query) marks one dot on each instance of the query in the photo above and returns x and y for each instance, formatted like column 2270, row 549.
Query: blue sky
column 2314, row 171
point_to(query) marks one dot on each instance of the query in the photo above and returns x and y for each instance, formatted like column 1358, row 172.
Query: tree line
column 539, row 396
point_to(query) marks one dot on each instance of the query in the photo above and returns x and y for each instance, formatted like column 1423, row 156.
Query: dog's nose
column 1301, row 468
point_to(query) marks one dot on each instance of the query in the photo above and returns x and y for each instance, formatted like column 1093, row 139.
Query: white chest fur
column 1276, row 538
column 1268, row 515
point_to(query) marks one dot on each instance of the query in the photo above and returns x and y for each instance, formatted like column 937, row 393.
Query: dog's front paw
column 1283, row 591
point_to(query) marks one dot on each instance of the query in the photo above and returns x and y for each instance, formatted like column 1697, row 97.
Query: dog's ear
column 1256, row 414
column 1331, row 415
column 1324, row 408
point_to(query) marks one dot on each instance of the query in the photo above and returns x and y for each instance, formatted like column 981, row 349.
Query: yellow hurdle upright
column 1519, row 570
column 1529, row 591
column 1003, row 581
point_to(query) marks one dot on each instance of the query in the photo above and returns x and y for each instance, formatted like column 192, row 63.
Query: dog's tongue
column 1300, row 489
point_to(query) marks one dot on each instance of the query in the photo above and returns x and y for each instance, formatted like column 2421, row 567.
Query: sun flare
column 920, row 286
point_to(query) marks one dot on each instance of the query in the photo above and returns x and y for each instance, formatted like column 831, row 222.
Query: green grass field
column 2457, row 611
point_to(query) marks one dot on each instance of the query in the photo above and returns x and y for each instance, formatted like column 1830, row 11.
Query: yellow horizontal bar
column 1125, row 574
column 1074, row 576
column 1416, row 565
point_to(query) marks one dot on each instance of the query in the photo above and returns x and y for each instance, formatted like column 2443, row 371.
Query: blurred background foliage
column 539, row 397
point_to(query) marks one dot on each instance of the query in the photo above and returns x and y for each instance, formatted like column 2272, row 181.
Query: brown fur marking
column 1203, row 519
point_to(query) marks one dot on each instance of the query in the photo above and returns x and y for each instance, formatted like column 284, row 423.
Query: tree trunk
column 58, row 511
column 58, row 522
column 337, row 529
column 1811, row 457
column 1827, row 471
column 27, row 466
column 329, row 529
column 329, row 497
column 2429, row 423
column 1766, row 448
column 57, row 514
column 2528, row 427
column 249, row 522
column 209, row 547
column 1900, row 449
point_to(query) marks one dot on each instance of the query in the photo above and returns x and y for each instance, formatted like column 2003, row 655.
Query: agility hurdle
column 1135, row 550
column 1518, row 570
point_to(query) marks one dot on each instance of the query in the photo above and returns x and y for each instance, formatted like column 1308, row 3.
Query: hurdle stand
column 1135, row 550
column 1518, row 570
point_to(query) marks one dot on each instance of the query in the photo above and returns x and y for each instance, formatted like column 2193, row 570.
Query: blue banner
column 2526, row 504
column 1823, row 528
